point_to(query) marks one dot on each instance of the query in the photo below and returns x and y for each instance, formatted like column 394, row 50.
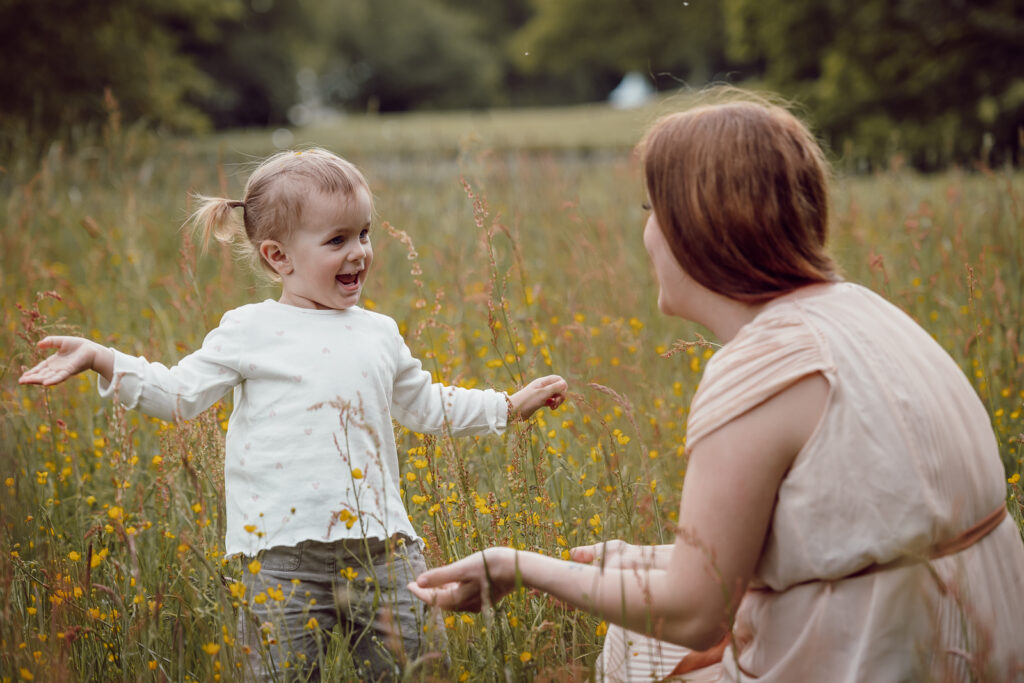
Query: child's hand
column 74, row 355
column 544, row 391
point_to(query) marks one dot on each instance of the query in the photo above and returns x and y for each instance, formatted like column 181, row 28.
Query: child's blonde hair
column 273, row 200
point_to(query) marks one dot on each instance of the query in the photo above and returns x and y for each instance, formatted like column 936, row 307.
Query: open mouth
column 348, row 279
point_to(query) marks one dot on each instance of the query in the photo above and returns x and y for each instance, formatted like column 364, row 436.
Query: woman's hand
column 470, row 584
column 544, row 391
column 617, row 554
column 74, row 355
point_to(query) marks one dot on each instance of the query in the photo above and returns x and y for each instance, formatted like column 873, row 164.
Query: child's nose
column 357, row 253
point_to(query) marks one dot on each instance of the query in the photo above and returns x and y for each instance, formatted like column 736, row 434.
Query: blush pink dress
column 849, row 586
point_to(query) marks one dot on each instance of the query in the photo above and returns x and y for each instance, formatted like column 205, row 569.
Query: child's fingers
column 35, row 374
column 50, row 342
column 555, row 387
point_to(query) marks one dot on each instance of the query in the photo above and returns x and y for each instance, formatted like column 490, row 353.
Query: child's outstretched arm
column 74, row 355
column 179, row 392
column 421, row 404
column 544, row 391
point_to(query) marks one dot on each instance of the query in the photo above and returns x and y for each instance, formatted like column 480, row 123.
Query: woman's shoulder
column 769, row 354
column 783, row 330
column 795, row 325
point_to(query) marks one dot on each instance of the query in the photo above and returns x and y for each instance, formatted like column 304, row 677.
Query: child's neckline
column 310, row 311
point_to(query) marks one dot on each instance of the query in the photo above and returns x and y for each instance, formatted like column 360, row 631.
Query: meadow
column 507, row 247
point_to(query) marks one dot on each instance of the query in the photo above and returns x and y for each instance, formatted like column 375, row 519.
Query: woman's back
column 904, row 458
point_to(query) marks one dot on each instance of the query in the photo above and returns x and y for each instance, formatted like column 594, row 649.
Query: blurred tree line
column 937, row 81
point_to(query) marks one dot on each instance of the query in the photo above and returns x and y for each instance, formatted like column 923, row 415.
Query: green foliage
column 253, row 58
column 930, row 80
column 61, row 57
column 933, row 82
column 398, row 54
column 603, row 39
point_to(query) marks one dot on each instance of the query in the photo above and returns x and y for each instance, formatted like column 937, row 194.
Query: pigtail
column 216, row 217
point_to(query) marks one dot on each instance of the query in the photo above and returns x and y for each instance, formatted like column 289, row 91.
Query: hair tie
column 234, row 204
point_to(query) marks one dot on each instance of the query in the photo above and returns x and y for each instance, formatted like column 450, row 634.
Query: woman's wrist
column 502, row 564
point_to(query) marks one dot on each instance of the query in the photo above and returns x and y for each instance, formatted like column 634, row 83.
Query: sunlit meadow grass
column 499, row 266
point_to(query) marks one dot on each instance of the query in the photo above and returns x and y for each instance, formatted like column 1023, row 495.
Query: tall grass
column 499, row 266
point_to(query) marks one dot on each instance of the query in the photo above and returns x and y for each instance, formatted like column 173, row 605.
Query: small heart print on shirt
column 316, row 485
column 325, row 350
column 297, row 378
column 365, row 373
column 255, row 497
column 279, row 333
column 272, row 413
column 248, row 446
column 348, row 327
column 252, row 366
column 278, row 466
column 241, row 461
column 308, row 430
column 217, row 347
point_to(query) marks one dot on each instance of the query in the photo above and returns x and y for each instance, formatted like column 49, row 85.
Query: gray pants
column 302, row 592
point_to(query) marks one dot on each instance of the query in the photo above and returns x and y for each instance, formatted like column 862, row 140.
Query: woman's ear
column 274, row 254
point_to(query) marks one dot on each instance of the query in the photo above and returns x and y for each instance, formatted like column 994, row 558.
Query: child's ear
column 274, row 254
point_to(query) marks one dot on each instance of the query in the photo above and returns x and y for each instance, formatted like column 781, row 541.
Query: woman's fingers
column 611, row 553
column 453, row 573
column 459, row 596
column 582, row 553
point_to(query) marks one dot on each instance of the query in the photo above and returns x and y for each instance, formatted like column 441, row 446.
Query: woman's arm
column 732, row 479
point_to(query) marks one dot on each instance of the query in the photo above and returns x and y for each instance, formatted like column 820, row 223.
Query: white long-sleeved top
column 310, row 441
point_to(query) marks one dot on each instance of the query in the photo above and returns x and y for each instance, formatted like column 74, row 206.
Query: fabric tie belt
column 700, row 659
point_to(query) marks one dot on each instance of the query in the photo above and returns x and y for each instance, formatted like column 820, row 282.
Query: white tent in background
column 634, row 90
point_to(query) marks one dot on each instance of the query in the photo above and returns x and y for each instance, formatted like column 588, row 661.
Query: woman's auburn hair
column 740, row 191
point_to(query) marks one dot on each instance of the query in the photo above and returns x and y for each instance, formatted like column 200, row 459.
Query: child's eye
column 646, row 206
column 336, row 240
column 364, row 235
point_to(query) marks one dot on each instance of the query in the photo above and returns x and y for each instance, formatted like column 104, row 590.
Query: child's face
column 329, row 254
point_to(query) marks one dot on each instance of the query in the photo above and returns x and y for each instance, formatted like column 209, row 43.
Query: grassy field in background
column 527, row 259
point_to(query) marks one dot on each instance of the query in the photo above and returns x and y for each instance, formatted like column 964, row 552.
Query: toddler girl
column 311, row 468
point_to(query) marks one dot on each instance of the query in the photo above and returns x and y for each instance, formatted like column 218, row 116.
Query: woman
column 843, row 515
